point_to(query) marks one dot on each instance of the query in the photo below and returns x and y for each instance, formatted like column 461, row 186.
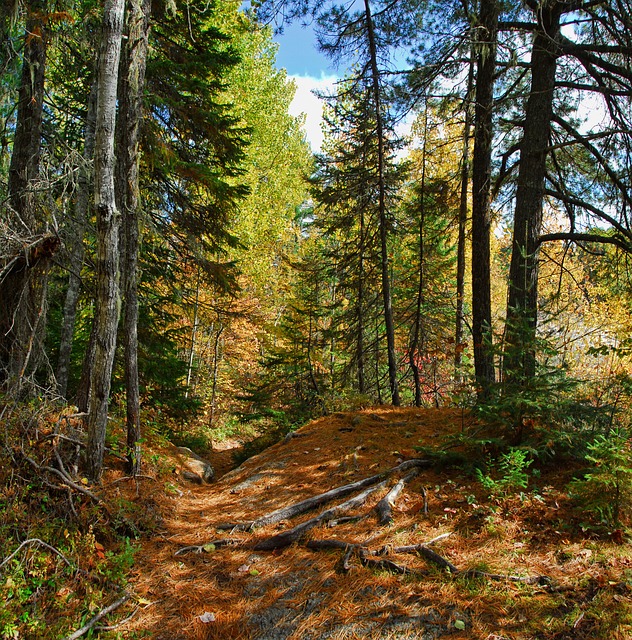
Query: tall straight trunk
column 522, row 305
column 23, row 287
column 378, row 382
column 481, row 186
column 108, row 222
column 463, row 211
column 360, row 355
column 310, row 364
column 413, row 348
column 27, row 143
column 75, row 236
column 194, row 330
column 381, row 168
column 130, row 118
column 216, row 345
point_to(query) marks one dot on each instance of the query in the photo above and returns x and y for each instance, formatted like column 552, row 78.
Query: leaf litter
column 296, row 593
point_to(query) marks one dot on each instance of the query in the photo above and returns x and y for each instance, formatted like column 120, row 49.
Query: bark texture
column 481, row 187
column 522, row 306
column 108, row 222
column 130, row 118
column 24, row 283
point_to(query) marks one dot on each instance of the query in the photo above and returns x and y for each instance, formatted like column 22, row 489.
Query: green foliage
column 269, row 436
column 510, row 471
column 530, row 409
column 606, row 491
column 192, row 140
column 76, row 558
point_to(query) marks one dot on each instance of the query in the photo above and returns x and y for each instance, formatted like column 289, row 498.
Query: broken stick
column 384, row 507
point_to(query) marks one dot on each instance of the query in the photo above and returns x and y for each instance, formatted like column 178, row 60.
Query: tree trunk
column 522, row 305
column 463, row 211
column 75, row 235
column 130, row 117
column 481, row 205
column 23, row 289
column 108, row 222
column 194, row 330
column 25, row 158
column 413, row 349
column 218, row 335
column 360, row 355
column 381, row 161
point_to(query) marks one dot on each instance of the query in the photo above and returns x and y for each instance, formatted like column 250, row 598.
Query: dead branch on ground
column 64, row 478
column 209, row 546
column 299, row 508
column 384, row 507
column 290, row 536
column 41, row 543
column 101, row 614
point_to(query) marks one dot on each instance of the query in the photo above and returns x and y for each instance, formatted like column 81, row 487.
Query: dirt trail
column 233, row 592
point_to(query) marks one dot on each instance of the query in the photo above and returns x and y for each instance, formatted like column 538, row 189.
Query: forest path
column 235, row 592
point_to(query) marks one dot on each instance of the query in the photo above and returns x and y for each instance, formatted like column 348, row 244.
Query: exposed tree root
column 290, row 536
column 369, row 558
column 299, row 508
column 422, row 549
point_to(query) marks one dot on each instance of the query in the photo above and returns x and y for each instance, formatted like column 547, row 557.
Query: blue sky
column 310, row 70
column 298, row 52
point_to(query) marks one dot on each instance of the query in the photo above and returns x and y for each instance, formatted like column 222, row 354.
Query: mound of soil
column 200, row 578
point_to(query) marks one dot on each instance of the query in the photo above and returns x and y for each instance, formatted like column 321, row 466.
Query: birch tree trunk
column 108, row 221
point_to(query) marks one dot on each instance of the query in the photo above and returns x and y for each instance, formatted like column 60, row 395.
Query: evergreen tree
column 351, row 216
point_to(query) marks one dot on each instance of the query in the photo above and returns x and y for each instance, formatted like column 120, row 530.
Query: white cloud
column 305, row 102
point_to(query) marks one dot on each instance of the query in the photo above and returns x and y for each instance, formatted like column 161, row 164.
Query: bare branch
column 101, row 614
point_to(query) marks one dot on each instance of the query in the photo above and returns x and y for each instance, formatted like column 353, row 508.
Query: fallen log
column 286, row 538
column 309, row 504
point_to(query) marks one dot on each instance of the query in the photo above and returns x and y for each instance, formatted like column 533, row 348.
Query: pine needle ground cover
column 525, row 568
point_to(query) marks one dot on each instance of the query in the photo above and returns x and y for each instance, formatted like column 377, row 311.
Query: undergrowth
column 64, row 555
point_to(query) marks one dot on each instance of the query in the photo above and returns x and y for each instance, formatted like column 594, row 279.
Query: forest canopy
column 429, row 319
column 172, row 251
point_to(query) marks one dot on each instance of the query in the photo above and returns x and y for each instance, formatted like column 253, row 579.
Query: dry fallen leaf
column 207, row 617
